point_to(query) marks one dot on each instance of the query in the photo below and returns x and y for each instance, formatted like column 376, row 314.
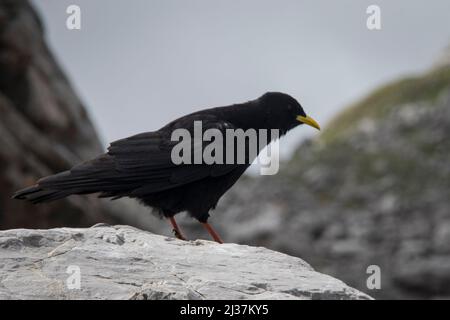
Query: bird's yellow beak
column 309, row 121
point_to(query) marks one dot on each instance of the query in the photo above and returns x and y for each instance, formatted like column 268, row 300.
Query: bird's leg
column 176, row 229
column 212, row 232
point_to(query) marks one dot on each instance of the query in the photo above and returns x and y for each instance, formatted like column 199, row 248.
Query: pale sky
column 138, row 64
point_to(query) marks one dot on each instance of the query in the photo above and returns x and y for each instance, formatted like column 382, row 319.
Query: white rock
column 122, row 262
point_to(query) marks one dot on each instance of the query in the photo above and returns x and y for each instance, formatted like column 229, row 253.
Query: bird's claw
column 177, row 234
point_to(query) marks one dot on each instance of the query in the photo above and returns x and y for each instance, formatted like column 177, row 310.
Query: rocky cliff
column 121, row 262
column 44, row 129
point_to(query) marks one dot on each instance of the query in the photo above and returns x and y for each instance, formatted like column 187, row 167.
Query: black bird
column 141, row 166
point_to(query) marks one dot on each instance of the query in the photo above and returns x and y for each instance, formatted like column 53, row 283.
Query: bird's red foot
column 212, row 232
column 178, row 235
column 176, row 230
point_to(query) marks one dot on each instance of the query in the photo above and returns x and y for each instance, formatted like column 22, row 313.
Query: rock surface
column 121, row 262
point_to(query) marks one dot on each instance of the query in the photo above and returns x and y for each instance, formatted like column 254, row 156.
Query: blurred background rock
column 44, row 128
column 372, row 189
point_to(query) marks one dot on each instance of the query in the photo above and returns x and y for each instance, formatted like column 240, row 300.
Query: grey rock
column 44, row 129
column 121, row 262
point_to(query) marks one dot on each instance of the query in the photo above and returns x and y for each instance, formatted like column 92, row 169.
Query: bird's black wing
column 145, row 159
column 134, row 166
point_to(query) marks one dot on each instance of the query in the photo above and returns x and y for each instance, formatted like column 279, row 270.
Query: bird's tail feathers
column 36, row 194
column 88, row 177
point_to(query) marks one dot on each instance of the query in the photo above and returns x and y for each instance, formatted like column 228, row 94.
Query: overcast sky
column 137, row 64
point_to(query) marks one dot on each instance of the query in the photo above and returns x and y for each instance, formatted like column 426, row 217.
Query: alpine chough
column 141, row 166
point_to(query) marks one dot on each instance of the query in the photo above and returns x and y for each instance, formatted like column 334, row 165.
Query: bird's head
column 284, row 112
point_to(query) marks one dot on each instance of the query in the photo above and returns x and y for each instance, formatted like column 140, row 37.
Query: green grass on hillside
column 414, row 89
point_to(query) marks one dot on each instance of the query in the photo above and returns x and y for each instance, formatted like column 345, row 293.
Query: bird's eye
column 290, row 107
